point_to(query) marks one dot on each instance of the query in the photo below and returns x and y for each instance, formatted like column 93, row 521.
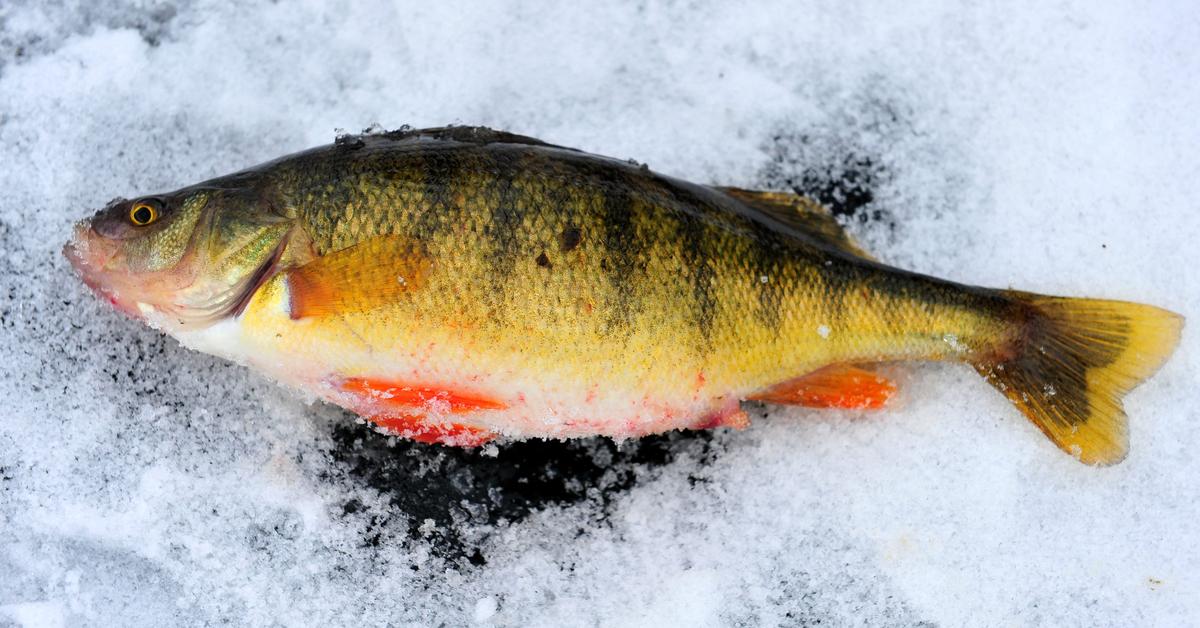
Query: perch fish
column 460, row 284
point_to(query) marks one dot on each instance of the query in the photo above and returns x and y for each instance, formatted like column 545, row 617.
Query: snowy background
column 1053, row 147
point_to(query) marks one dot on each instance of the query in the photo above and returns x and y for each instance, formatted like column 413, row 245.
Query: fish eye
column 143, row 213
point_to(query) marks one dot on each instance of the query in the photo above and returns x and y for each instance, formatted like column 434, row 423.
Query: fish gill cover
column 1047, row 147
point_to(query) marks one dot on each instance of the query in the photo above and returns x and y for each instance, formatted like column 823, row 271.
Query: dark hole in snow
column 826, row 161
column 459, row 488
column 845, row 186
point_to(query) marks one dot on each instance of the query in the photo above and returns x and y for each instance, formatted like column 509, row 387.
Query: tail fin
column 1073, row 362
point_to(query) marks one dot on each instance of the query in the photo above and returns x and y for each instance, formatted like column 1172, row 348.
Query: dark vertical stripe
column 696, row 253
column 620, row 262
column 770, row 292
column 698, row 247
column 439, row 169
column 504, row 231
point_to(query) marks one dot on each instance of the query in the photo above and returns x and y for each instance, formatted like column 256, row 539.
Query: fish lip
column 71, row 250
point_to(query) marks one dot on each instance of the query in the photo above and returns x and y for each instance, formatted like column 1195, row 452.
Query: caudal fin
column 1072, row 364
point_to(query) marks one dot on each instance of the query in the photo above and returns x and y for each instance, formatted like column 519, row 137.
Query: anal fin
column 836, row 386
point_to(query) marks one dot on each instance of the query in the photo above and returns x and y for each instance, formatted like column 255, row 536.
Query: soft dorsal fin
column 802, row 213
column 370, row 274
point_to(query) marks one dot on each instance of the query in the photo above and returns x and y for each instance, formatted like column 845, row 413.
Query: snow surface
column 1050, row 146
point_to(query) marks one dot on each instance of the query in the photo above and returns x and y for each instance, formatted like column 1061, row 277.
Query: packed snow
column 1047, row 146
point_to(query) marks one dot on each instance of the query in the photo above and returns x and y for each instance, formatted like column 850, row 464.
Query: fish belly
column 438, row 387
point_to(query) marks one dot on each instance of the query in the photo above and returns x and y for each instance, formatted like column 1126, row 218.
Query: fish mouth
column 85, row 251
column 88, row 255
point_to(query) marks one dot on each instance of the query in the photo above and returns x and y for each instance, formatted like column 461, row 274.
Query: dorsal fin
column 802, row 213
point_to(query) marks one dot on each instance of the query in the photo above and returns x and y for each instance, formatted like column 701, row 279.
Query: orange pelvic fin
column 440, row 399
column 836, row 386
column 370, row 274
column 416, row 428
column 406, row 410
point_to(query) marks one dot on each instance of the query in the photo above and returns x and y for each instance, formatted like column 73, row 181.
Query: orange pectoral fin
column 836, row 386
column 359, row 278
column 406, row 409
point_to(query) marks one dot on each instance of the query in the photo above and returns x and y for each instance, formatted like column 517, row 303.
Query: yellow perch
column 454, row 285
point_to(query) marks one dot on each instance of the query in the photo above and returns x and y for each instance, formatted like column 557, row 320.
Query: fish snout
column 89, row 253
column 86, row 250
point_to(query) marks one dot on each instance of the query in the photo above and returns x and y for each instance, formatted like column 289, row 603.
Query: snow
column 1048, row 147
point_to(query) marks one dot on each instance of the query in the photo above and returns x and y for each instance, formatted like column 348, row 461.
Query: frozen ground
column 1051, row 147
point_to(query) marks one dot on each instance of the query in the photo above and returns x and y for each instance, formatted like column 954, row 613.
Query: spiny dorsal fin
column 802, row 213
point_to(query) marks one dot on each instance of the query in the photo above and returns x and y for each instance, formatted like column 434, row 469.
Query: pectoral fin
column 370, row 274
column 836, row 386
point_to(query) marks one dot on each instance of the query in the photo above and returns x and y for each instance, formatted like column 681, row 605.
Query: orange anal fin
column 404, row 409
column 837, row 386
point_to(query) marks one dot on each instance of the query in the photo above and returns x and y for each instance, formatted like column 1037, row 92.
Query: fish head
column 185, row 259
